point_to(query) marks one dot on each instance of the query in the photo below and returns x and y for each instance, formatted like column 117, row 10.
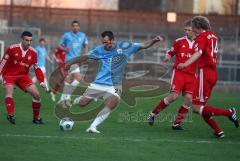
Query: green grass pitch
column 125, row 135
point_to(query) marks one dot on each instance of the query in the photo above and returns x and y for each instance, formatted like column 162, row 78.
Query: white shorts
column 43, row 69
column 104, row 91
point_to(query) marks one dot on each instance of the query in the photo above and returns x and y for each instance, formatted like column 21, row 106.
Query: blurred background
column 135, row 20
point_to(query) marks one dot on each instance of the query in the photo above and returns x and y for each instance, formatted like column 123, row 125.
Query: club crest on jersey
column 183, row 46
column 16, row 54
column 182, row 54
column 6, row 56
column 29, row 57
column 119, row 51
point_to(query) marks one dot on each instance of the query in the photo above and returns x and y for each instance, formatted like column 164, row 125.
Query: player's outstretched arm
column 150, row 43
column 77, row 60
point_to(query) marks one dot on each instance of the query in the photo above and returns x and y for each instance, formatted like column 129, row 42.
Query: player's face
column 75, row 27
column 26, row 42
column 196, row 30
column 107, row 43
column 189, row 32
column 42, row 43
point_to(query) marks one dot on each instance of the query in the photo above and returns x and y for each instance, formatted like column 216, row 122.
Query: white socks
column 68, row 90
column 102, row 115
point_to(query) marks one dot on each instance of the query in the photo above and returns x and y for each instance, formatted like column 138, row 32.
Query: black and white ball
column 66, row 124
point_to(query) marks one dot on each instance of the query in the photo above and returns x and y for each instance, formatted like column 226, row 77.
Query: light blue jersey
column 74, row 42
column 113, row 62
column 41, row 55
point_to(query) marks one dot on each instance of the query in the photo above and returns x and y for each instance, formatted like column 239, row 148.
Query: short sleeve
column 63, row 40
column 93, row 54
column 85, row 43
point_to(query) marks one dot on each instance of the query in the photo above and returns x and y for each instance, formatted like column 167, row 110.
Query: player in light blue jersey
column 74, row 43
column 113, row 56
column 42, row 55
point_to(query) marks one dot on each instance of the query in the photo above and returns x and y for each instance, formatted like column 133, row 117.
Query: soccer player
column 73, row 43
column 42, row 55
column 206, row 48
column 60, row 58
column 182, row 80
column 113, row 56
column 14, row 68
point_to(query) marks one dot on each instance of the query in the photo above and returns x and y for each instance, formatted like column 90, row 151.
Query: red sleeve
column 38, row 72
column 200, row 43
column 5, row 60
column 173, row 49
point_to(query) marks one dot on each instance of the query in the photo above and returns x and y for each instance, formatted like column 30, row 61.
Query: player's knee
column 196, row 110
column 172, row 97
column 112, row 101
column 36, row 96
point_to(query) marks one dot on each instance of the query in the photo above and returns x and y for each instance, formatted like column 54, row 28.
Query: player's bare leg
column 9, row 101
column 110, row 104
column 182, row 112
column 161, row 106
column 36, row 103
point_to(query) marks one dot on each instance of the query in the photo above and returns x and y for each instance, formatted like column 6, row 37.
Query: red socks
column 9, row 105
column 161, row 106
column 182, row 112
column 211, row 111
column 36, row 108
column 211, row 122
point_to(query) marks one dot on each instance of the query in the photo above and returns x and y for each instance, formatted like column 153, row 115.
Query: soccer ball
column 66, row 124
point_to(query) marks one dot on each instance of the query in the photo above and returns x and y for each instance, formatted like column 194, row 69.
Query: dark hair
column 201, row 22
column 109, row 34
column 26, row 33
column 188, row 23
column 75, row 21
column 41, row 39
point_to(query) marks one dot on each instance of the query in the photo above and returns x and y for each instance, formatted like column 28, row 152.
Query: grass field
column 125, row 136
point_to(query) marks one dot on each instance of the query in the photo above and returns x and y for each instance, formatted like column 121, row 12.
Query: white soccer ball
column 66, row 124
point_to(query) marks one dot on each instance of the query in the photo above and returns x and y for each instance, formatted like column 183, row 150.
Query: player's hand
column 158, row 38
column 167, row 58
column 43, row 85
column 181, row 66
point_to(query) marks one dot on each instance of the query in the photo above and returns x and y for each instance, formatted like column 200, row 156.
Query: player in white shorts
column 107, row 84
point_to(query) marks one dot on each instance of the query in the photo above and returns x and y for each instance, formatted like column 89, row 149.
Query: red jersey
column 182, row 48
column 16, row 62
column 206, row 44
column 59, row 56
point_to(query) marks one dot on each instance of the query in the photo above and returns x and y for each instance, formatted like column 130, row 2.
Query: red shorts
column 206, row 80
column 182, row 82
column 22, row 81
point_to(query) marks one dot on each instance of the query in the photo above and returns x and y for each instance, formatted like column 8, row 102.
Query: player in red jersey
column 60, row 58
column 182, row 80
column 14, row 68
column 206, row 49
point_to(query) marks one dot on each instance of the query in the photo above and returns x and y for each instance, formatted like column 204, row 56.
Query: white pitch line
column 123, row 139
